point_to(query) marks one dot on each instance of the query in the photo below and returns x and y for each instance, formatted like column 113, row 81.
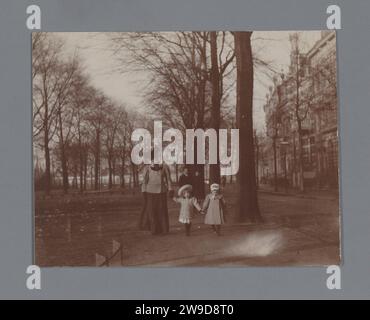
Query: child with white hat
column 215, row 206
column 188, row 204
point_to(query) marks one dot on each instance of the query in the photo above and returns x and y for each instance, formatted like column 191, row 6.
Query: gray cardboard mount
column 16, row 235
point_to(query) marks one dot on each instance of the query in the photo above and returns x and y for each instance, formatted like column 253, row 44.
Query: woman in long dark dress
column 156, row 183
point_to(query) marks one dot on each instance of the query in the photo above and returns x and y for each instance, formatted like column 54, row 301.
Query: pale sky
column 101, row 66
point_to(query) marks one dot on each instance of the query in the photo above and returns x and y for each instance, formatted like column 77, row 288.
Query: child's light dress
column 215, row 206
column 187, row 208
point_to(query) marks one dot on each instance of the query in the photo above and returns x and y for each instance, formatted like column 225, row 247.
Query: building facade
column 301, row 119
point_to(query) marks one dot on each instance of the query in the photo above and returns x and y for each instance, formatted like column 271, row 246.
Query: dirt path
column 298, row 231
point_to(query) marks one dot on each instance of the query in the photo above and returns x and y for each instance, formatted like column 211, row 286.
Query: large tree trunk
column 248, row 206
column 200, row 169
column 200, row 120
column 214, row 173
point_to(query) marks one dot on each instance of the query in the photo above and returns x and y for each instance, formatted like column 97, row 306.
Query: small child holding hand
column 215, row 206
column 188, row 204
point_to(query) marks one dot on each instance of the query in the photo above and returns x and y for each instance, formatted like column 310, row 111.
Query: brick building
column 311, row 78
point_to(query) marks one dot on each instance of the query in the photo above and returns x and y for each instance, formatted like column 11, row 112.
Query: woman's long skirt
column 144, row 223
column 155, row 215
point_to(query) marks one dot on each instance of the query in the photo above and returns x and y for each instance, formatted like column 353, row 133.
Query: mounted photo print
column 185, row 149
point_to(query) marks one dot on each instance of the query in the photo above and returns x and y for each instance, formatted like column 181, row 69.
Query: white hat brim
column 215, row 186
column 184, row 188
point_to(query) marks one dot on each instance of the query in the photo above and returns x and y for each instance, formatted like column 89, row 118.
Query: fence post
column 117, row 246
column 100, row 260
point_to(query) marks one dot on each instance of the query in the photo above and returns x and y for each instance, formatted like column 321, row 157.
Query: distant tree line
column 76, row 128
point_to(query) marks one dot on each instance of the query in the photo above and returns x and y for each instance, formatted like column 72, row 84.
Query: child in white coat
column 214, row 205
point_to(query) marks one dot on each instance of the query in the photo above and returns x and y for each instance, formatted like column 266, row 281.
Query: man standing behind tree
column 198, row 186
column 185, row 178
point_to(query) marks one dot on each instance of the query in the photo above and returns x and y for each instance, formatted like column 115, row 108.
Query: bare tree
column 82, row 100
column 115, row 120
column 50, row 85
column 273, row 133
column 121, row 145
column 302, row 99
column 65, row 116
column 96, row 118
column 181, row 74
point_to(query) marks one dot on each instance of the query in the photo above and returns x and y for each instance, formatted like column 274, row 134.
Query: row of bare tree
column 74, row 123
column 191, row 78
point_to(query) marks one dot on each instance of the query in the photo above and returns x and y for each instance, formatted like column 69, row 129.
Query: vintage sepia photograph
column 185, row 149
